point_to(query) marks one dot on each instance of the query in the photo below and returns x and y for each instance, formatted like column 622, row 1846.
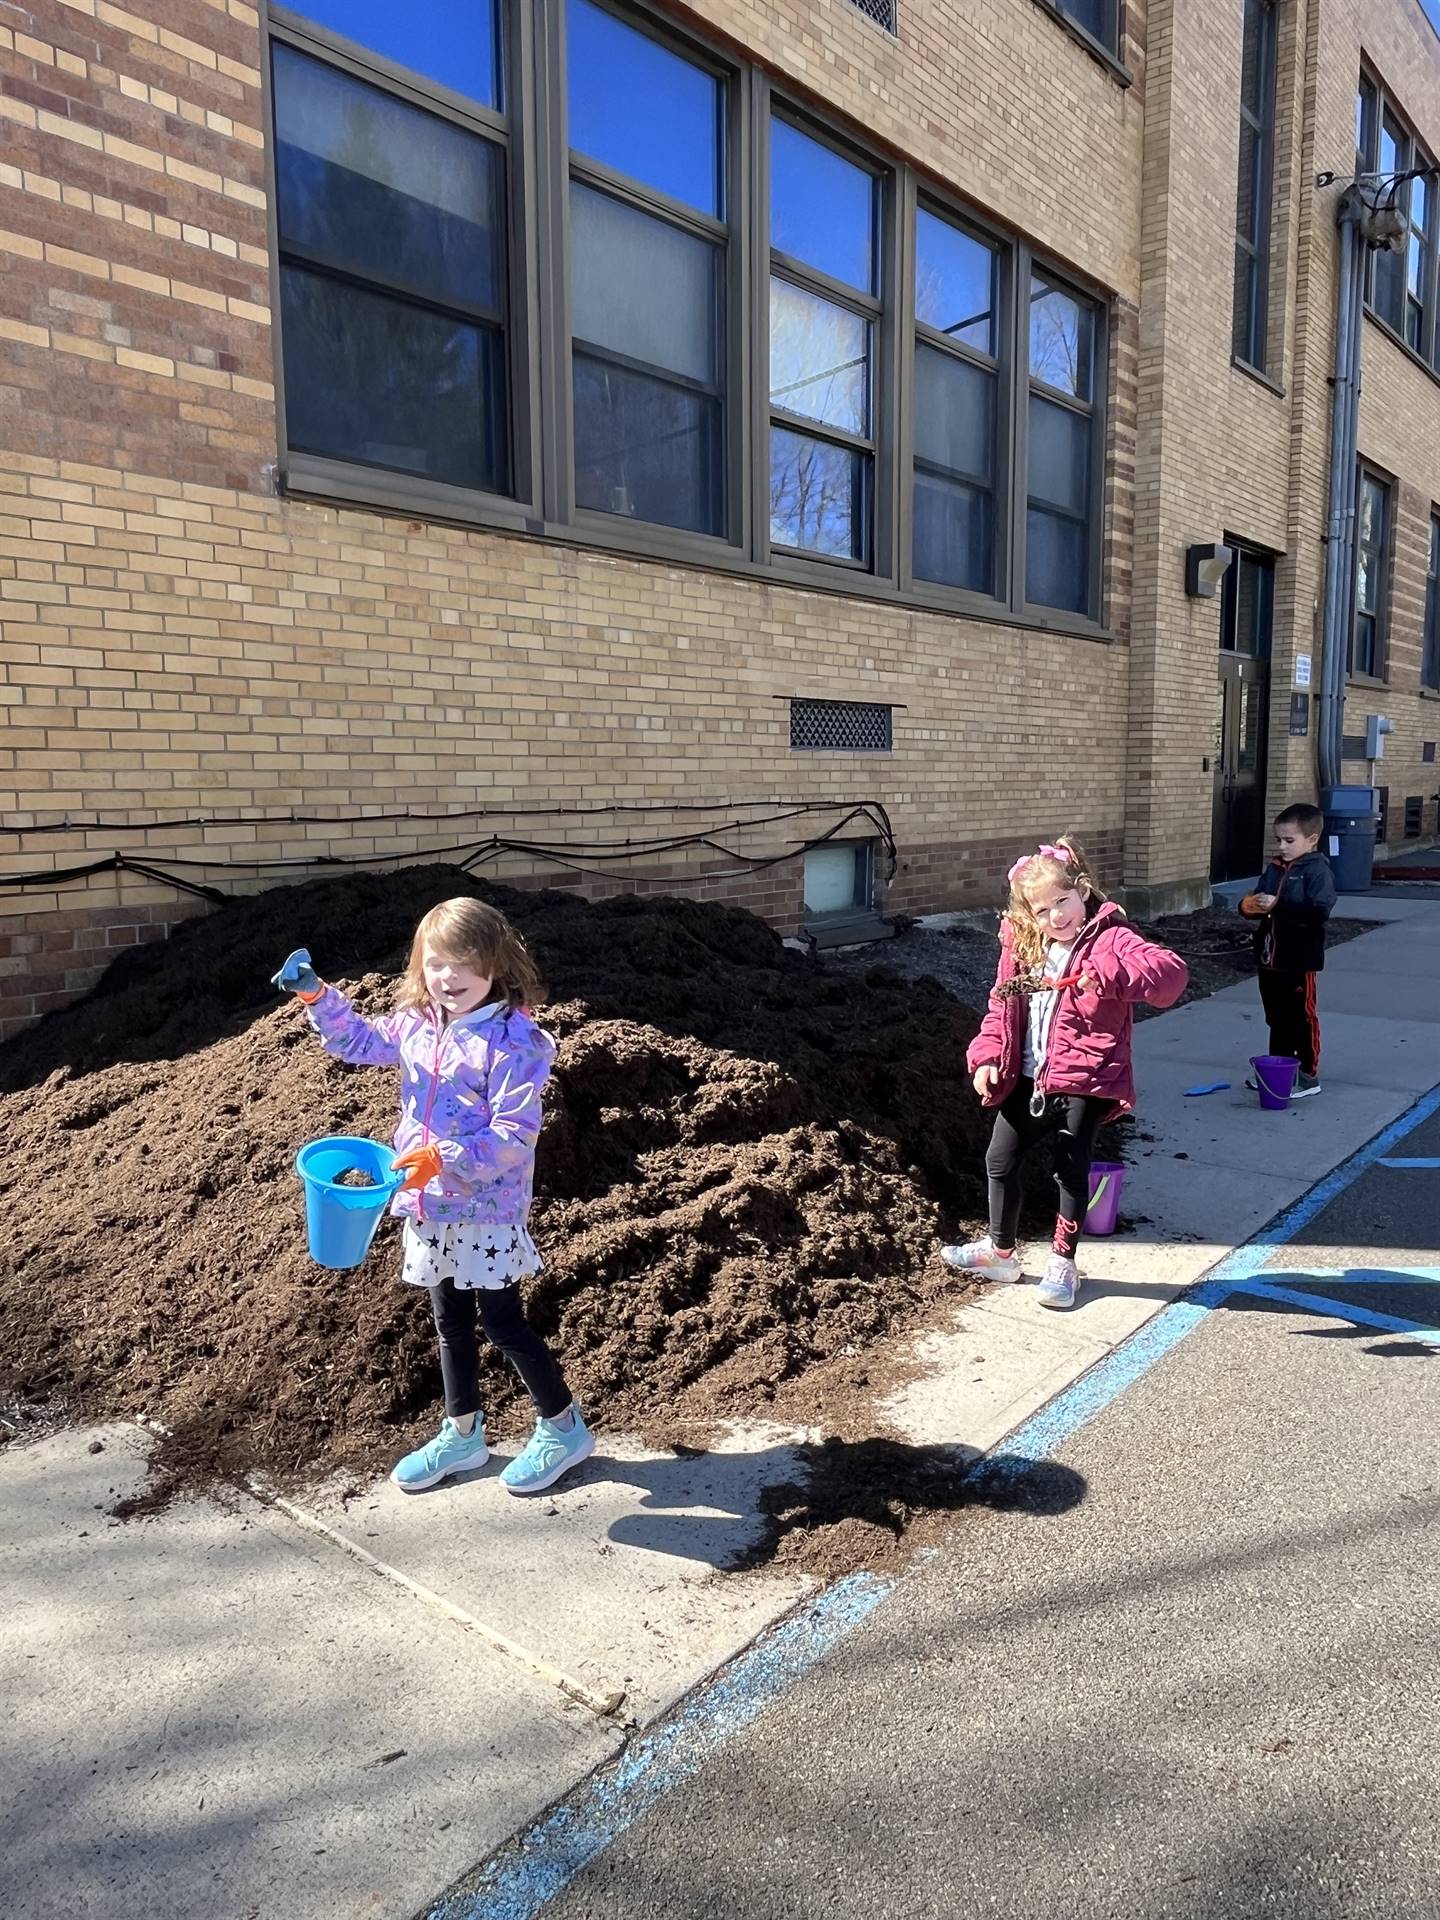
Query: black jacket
column 1291, row 937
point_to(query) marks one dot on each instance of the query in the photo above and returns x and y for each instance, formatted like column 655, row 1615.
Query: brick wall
column 180, row 645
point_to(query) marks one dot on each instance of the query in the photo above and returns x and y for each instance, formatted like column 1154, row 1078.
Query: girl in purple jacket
column 472, row 1065
column 1053, row 1051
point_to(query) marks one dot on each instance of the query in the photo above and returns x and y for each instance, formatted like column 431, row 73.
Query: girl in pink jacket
column 1053, row 1051
column 472, row 1065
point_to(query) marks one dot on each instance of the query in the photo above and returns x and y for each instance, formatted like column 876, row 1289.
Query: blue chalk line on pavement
column 526, row 1876
column 1342, row 1310
column 1428, row 1164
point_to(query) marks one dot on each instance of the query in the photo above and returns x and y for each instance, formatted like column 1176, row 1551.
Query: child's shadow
column 760, row 1501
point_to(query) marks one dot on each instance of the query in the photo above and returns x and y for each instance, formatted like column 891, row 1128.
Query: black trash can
column 1351, row 817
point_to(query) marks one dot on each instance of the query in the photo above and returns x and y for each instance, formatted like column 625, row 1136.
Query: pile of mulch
column 746, row 1164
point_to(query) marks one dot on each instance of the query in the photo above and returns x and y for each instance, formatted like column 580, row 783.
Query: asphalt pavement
column 1202, row 1684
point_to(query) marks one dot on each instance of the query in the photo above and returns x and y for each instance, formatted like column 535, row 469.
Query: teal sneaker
column 550, row 1451
column 449, row 1452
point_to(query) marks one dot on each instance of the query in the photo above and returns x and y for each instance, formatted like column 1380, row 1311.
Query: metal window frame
column 1430, row 640
column 1263, row 559
column 1030, row 266
column 1376, row 105
column 1252, row 282
column 538, row 171
column 726, row 232
column 1365, row 470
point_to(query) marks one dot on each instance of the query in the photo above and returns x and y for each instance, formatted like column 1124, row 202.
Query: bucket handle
column 1100, row 1192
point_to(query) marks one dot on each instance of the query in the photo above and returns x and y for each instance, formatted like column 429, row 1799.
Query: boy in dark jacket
column 1291, row 903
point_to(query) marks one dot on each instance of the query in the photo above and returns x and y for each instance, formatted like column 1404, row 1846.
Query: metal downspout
column 1340, row 531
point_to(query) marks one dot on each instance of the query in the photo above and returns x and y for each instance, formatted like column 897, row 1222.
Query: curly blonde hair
column 1062, row 864
column 477, row 936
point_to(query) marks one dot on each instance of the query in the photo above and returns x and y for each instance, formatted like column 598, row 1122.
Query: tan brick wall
column 178, row 643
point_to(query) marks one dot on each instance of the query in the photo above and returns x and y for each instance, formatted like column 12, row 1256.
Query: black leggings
column 502, row 1320
column 1074, row 1119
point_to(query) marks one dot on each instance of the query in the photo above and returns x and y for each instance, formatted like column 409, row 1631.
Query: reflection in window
column 648, row 279
column 456, row 42
column 955, row 406
column 1257, row 166
column 1388, row 289
column 642, row 110
column 822, row 326
column 1367, row 640
column 1059, row 520
column 392, row 284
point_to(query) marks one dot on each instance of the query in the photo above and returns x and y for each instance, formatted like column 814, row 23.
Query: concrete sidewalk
column 221, row 1710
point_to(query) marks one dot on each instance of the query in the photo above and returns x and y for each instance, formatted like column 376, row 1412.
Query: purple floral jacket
column 470, row 1085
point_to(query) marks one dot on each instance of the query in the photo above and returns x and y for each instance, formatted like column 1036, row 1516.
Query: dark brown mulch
column 746, row 1164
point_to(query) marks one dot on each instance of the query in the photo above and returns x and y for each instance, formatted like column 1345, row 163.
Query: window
column 526, row 277
column 1060, row 521
column 648, row 268
column 957, row 329
column 1256, row 191
column 1372, row 543
column 1246, row 603
column 1100, row 19
column 824, row 308
column 1400, row 287
column 392, row 258
column 838, row 878
column 1430, row 661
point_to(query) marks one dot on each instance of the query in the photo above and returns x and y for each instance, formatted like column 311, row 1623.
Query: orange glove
column 1251, row 908
column 421, row 1165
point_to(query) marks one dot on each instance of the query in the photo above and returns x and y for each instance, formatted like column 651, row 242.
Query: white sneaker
column 1059, row 1283
column 979, row 1257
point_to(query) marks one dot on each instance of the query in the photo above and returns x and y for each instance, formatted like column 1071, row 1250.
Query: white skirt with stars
column 471, row 1253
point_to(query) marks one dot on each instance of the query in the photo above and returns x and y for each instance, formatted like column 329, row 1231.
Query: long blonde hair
column 473, row 935
column 1064, row 864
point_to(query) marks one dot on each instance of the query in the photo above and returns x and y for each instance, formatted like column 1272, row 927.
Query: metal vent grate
column 1414, row 816
column 840, row 726
column 882, row 12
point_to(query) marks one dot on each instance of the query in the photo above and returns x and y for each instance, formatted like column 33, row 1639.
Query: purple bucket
column 1274, row 1077
column 1107, row 1179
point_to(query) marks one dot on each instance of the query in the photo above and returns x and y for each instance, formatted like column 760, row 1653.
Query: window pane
column 1367, row 580
column 1089, row 14
column 385, row 190
column 375, row 380
column 1246, row 207
column 954, row 282
column 647, row 448
column 1059, row 456
column 954, row 413
column 1392, row 146
column 1057, row 569
column 641, row 109
column 642, row 287
column 818, row 496
column 819, row 359
column 1363, row 660
column 822, row 208
column 1062, row 339
column 1372, row 512
column 453, row 41
column 954, row 533
column 1435, row 546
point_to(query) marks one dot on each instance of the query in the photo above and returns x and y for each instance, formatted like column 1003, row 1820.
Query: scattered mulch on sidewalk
column 746, row 1164
column 1214, row 942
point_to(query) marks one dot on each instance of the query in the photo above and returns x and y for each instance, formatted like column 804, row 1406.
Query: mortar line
column 604, row 1705
column 523, row 1877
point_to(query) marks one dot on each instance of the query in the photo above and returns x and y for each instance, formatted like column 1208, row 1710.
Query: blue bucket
column 341, row 1221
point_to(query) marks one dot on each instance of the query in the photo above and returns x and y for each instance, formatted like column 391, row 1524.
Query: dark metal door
column 1238, row 827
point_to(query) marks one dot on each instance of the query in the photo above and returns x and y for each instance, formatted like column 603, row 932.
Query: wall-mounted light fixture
column 1205, row 568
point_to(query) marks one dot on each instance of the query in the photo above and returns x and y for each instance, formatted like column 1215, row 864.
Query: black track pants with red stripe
column 1289, row 1003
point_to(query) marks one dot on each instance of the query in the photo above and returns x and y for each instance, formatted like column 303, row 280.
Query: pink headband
column 1041, row 853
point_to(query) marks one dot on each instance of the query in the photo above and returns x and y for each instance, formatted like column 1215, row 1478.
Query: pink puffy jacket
column 1089, row 1048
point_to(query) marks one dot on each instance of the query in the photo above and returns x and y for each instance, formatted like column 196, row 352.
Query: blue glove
column 298, row 976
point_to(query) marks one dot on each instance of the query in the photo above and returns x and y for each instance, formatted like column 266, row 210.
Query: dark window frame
column 1263, row 560
column 1105, row 46
column 1250, row 326
column 1384, row 555
column 1430, row 648
column 1378, row 113
column 539, row 167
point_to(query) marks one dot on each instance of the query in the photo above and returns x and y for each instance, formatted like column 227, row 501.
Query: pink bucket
column 1274, row 1077
column 1107, row 1180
